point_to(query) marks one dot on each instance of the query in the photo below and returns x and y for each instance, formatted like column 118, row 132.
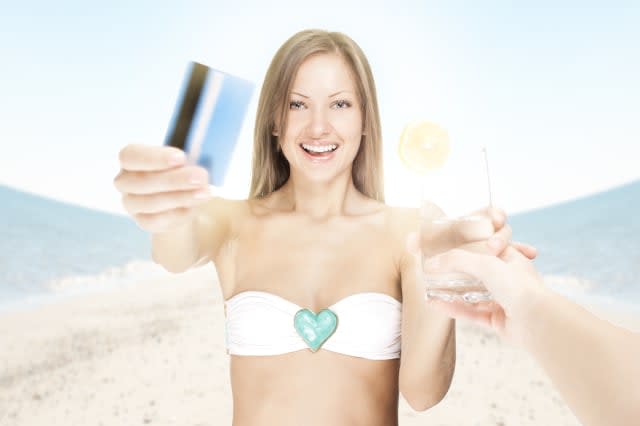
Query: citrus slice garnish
column 423, row 147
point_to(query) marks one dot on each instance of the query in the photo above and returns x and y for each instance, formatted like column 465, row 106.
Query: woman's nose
column 319, row 125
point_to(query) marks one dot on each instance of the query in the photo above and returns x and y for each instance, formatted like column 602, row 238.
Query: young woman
column 314, row 235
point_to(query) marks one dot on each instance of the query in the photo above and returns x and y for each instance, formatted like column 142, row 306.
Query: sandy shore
column 153, row 353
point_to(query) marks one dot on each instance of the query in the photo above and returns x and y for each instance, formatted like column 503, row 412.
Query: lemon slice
column 423, row 147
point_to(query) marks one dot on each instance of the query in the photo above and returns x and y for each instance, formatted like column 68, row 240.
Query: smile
column 319, row 149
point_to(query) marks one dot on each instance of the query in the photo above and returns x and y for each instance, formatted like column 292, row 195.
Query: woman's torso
column 314, row 264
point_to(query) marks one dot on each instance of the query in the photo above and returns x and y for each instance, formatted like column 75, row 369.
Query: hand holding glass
column 459, row 187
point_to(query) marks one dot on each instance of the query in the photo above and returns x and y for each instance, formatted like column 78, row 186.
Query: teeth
column 316, row 148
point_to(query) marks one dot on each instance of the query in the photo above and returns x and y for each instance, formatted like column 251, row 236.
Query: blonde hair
column 270, row 168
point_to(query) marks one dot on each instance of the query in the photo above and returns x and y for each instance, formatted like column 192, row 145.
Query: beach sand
column 153, row 353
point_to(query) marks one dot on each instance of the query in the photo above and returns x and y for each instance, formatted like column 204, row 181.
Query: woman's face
column 324, row 122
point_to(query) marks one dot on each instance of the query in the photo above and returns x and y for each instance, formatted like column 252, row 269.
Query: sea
column 50, row 250
column 588, row 249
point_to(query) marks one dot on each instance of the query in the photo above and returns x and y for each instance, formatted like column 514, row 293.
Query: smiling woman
column 339, row 86
column 317, row 283
column 322, row 131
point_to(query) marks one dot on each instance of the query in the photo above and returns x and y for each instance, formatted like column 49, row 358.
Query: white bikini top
column 261, row 323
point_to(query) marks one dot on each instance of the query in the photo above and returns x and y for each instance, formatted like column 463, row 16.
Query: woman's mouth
column 319, row 152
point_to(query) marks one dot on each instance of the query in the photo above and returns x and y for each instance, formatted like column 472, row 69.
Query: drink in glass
column 453, row 208
column 455, row 193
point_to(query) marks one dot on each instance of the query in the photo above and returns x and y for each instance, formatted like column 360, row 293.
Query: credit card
column 208, row 117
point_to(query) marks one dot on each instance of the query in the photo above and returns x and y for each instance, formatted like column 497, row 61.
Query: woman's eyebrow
column 330, row 96
column 337, row 93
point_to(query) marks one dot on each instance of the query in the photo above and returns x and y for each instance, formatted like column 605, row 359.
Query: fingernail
column 495, row 242
column 176, row 158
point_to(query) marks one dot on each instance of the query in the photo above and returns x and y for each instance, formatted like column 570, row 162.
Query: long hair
column 270, row 168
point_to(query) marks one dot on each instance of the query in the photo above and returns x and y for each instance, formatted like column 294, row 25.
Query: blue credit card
column 208, row 118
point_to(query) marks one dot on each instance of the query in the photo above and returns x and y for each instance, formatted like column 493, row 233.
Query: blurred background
column 550, row 88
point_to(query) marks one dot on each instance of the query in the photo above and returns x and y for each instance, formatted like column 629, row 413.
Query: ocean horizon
column 589, row 249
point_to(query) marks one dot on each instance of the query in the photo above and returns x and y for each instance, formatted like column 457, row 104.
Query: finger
column 155, row 203
column 161, row 221
column 497, row 244
column 472, row 228
column 498, row 217
column 150, row 182
column 500, row 240
column 510, row 254
column 505, row 233
column 462, row 311
column 136, row 157
column 528, row 250
column 484, row 267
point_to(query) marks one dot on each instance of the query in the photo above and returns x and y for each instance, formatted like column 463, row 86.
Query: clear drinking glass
column 454, row 199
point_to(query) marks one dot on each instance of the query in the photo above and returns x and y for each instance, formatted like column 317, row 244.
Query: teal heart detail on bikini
column 315, row 329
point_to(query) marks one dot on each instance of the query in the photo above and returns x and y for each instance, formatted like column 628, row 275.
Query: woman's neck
column 320, row 200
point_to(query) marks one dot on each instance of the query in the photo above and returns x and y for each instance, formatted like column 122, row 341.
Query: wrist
column 174, row 230
column 527, row 311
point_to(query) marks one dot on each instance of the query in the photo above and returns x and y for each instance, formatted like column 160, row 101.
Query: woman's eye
column 296, row 105
column 342, row 104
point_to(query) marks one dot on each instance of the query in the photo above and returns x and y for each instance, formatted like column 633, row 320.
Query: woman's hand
column 498, row 243
column 159, row 189
column 438, row 234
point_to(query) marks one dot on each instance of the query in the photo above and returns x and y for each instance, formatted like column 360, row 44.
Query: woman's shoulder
column 222, row 215
column 226, row 206
column 401, row 222
column 238, row 210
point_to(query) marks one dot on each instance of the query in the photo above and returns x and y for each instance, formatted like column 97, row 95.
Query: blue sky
column 550, row 88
